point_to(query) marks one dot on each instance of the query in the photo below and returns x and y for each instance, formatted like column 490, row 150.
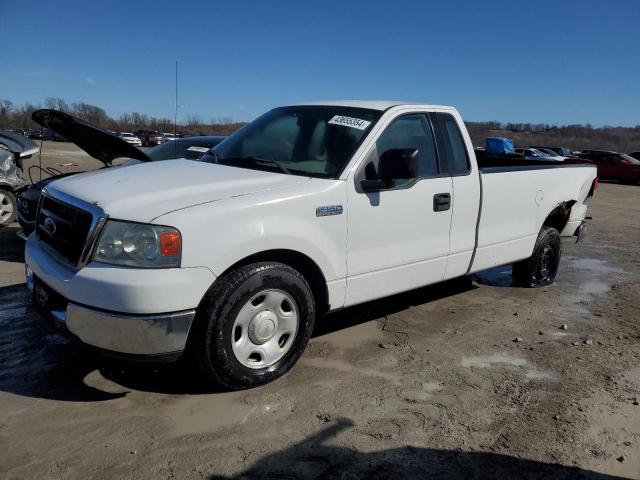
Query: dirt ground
column 427, row 384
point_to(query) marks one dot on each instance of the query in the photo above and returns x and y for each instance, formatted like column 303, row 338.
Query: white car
column 131, row 139
column 308, row 209
column 170, row 136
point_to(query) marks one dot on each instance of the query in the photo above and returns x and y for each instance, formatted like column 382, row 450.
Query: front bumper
column 118, row 333
column 127, row 311
column 159, row 334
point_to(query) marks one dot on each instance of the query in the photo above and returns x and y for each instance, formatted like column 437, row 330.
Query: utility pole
column 175, row 117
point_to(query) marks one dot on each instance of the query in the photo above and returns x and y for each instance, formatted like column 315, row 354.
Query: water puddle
column 208, row 413
column 593, row 265
column 488, row 361
column 539, row 376
column 345, row 367
column 352, row 336
column 531, row 373
column 12, row 313
column 594, row 287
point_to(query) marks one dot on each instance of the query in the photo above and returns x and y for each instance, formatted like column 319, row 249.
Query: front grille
column 63, row 227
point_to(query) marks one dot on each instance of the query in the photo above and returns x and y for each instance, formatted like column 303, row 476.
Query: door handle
column 441, row 202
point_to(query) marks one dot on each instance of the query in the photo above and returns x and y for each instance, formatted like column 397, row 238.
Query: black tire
column 8, row 207
column 210, row 341
column 541, row 268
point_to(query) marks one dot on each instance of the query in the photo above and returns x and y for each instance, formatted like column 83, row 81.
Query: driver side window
column 411, row 131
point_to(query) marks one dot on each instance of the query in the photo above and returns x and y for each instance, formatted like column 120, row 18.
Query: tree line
column 19, row 116
column 576, row 137
column 621, row 139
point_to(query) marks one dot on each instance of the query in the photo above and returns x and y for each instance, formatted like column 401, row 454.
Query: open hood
column 97, row 142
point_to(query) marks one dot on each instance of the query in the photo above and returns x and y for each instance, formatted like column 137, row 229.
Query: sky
column 558, row 62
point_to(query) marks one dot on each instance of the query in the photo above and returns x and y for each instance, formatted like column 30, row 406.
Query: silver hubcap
column 265, row 328
column 6, row 207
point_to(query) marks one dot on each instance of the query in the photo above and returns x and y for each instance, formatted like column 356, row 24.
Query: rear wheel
column 253, row 325
column 7, row 207
column 542, row 267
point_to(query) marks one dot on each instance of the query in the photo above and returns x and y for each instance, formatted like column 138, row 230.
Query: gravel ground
column 431, row 383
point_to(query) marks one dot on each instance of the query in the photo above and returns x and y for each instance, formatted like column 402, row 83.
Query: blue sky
column 559, row 61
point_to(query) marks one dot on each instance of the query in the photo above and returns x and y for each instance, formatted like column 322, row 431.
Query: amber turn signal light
column 170, row 244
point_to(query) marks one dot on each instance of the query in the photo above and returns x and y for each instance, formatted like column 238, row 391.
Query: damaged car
column 14, row 148
column 103, row 146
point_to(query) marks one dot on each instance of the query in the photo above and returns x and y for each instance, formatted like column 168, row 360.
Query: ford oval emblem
column 49, row 226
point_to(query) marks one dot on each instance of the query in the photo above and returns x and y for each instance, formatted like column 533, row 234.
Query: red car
column 614, row 165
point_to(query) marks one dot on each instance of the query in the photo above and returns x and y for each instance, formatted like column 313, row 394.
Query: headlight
column 138, row 245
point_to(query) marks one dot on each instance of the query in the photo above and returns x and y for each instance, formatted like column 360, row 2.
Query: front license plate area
column 40, row 299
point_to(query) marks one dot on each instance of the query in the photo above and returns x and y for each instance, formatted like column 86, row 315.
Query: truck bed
column 517, row 195
column 516, row 161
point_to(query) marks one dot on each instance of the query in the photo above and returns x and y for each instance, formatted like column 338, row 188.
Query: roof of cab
column 370, row 104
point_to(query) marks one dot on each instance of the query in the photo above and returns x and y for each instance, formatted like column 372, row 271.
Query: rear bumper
column 581, row 231
column 577, row 228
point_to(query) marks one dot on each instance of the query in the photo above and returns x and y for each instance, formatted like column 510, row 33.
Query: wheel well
column 303, row 264
column 559, row 216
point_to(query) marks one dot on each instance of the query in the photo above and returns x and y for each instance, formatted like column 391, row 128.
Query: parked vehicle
column 551, row 153
column 34, row 134
column 100, row 145
column 50, row 135
column 158, row 139
column 635, row 155
column 146, row 137
column 131, row 139
column 614, row 165
column 535, row 154
column 232, row 257
column 14, row 148
column 170, row 136
column 190, row 148
column 562, row 151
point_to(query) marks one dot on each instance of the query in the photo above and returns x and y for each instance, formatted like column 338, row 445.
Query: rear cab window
column 450, row 143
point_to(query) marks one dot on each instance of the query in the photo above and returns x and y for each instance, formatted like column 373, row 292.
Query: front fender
column 220, row 234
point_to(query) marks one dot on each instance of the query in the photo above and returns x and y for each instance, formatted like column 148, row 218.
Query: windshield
column 189, row 149
column 315, row 141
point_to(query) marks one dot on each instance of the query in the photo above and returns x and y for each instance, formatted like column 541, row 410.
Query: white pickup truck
column 308, row 209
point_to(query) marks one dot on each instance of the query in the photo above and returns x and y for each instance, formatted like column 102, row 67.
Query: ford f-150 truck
column 308, row 209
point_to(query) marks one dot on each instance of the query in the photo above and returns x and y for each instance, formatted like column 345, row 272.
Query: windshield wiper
column 258, row 160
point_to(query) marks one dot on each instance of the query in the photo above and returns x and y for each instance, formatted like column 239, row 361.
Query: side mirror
column 394, row 164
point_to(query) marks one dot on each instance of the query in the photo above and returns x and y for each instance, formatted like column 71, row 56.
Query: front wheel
column 541, row 268
column 7, row 207
column 253, row 325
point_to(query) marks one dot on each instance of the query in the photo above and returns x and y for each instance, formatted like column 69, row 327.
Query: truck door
column 453, row 151
column 398, row 237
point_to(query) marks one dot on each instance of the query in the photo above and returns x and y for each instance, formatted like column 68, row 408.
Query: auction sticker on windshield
column 350, row 122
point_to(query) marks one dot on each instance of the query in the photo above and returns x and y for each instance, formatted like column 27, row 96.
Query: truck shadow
column 37, row 361
column 311, row 458
column 183, row 376
column 495, row 277
column 351, row 316
column 12, row 247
